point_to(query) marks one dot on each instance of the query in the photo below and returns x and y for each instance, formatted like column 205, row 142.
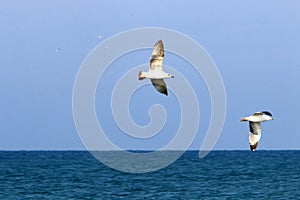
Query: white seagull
column 155, row 72
column 255, row 127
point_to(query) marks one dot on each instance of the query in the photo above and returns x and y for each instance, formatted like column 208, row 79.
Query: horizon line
column 147, row 150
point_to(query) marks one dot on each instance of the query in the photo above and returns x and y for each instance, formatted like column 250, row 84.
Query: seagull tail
column 141, row 76
column 243, row 119
column 253, row 147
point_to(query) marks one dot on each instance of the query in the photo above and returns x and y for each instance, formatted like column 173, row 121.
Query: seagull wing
column 160, row 85
column 254, row 135
column 157, row 56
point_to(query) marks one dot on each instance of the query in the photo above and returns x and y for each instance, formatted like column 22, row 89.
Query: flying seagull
column 155, row 72
column 255, row 127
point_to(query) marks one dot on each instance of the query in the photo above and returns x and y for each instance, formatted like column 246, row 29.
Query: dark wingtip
column 161, row 89
column 165, row 92
column 159, row 42
column 267, row 113
column 253, row 147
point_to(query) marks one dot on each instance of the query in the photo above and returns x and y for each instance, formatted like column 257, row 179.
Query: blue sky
column 256, row 46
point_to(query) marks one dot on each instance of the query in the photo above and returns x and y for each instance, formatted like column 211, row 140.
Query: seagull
column 155, row 72
column 255, row 127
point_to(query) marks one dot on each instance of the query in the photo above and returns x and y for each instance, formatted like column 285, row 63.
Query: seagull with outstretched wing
column 255, row 126
column 155, row 72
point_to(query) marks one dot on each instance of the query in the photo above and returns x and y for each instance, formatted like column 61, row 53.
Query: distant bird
column 155, row 72
column 255, row 127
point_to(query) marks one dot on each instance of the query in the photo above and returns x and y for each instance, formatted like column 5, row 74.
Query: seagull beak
column 172, row 76
column 272, row 119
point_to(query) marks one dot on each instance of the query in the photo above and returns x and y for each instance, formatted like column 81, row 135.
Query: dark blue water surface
column 220, row 175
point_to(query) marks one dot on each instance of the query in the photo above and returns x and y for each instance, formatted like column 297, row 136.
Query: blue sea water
column 220, row 175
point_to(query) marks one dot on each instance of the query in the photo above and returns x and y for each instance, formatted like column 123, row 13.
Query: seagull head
column 268, row 115
column 267, row 118
column 170, row 76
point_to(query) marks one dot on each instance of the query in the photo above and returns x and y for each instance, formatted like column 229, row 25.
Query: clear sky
column 255, row 44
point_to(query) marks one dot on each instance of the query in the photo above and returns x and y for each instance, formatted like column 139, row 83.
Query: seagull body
column 155, row 72
column 255, row 126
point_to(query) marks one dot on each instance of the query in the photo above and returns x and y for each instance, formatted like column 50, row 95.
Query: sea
column 220, row 175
